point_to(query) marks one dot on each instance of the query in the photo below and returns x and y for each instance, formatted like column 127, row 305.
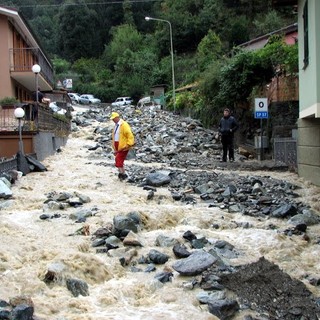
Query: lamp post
column 36, row 69
column 172, row 63
column 19, row 114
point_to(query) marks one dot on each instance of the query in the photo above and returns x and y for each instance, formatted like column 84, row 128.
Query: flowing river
column 29, row 245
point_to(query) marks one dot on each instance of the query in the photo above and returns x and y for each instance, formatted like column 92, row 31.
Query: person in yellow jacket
column 122, row 142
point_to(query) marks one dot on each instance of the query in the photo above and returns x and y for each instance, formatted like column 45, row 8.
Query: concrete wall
column 309, row 149
column 46, row 144
column 309, row 77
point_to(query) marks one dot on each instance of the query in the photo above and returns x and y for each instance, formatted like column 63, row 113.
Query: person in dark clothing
column 227, row 127
column 40, row 96
column 35, row 107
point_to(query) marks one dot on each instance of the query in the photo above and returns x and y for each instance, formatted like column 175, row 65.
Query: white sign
column 261, row 108
column 67, row 83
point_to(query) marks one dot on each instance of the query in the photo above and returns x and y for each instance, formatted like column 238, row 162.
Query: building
column 308, row 149
column 19, row 52
column 289, row 33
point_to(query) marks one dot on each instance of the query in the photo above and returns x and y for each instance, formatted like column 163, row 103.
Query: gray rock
column 307, row 217
column 22, row 312
column 77, row 287
column 164, row 276
column 122, row 223
column 196, row 263
column 5, row 191
column 205, row 296
column 180, row 251
column 165, row 241
column 223, row 309
column 158, row 257
column 284, row 211
column 157, row 179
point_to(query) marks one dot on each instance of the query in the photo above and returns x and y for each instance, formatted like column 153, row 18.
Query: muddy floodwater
column 30, row 245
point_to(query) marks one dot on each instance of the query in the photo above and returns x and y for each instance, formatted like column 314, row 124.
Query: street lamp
column 19, row 114
column 172, row 64
column 36, row 69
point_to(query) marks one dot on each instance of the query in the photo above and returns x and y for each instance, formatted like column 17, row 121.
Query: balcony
column 40, row 131
column 21, row 62
column 45, row 120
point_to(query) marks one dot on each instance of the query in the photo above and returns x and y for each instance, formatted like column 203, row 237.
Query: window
column 305, row 36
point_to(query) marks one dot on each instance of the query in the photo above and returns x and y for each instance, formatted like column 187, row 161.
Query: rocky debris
column 5, row 191
column 193, row 265
column 217, row 275
column 249, row 195
column 19, row 307
column 11, row 175
column 157, row 257
column 167, row 138
column 54, row 273
column 77, row 287
column 263, row 287
column 192, row 153
column 180, row 251
column 83, row 231
column 59, row 201
column 223, row 309
column 164, row 276
column 7, row 179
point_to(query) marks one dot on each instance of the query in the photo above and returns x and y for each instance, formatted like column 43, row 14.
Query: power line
column 88, row 3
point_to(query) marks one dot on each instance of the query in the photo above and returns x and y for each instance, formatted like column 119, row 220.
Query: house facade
column 19, row 51
column 42, row 133
column 289, row 33
column 309, row 87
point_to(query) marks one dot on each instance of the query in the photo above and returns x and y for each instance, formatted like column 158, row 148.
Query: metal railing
column 8, row 164
column 37, row 118
column 285, row 150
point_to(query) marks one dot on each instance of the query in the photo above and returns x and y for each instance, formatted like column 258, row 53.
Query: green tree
column 209, row 49
column 267, row 23
column 128, row 14
column 239, row 31
column 46, row 26
column 134, row 72
column 125, row 37
column 78, row 29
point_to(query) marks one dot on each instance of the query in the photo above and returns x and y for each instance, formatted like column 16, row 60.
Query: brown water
column 29, row 246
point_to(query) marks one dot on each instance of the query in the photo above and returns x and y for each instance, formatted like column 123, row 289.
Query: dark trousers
column 227, row 146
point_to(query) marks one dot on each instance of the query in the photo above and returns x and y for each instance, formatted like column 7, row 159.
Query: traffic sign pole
column 261, row 112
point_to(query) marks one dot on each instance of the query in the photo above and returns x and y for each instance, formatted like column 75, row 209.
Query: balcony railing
column 22, row 60
column 35, row 120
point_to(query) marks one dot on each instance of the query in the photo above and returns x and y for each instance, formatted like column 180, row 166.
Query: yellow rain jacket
column 126, row 137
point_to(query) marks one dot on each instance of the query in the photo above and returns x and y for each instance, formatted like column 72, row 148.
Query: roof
column 188, row 87
column 260, row 42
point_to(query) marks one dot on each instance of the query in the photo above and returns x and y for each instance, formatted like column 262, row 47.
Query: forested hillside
column 109, row 49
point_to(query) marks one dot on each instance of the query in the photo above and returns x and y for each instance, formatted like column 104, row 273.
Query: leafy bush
column 8, row 100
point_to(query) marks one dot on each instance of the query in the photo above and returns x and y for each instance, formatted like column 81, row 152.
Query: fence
column 285, row 150
column 37, row 118
column 7, row 165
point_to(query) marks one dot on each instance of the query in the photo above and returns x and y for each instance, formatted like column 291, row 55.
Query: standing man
column 122, row 141
column 227, row 127
column 40, row 95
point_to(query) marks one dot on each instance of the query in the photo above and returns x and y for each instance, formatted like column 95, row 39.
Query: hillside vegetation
column 110, row 50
